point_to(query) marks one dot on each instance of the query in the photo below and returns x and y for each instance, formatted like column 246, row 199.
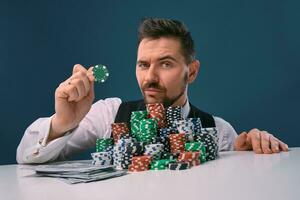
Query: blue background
column 249, row 53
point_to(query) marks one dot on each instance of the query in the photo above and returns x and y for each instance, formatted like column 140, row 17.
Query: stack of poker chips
column 162, row 140
column 165, row 132
column 177, row 142
column 157, row 111
column 104, row 144
column 148, row 130
column 154, row 150
column 135, row 120
column 179, row 165
column 172, row 114
column 118, row 130
column 209, row 138
column 102, row 158
column 191, row 157
column 133, row 148
column 140, row 163
column 197, row 147
column 159, row 139
column 161, row 164
column 104, row 152
column 120, row 159
column 184, row 126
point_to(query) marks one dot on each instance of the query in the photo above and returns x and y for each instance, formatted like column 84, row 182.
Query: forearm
column 34, row 148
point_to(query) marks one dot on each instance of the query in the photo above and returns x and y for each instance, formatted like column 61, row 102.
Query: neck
column 181, row 101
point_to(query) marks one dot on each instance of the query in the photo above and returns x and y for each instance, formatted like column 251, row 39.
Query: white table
column 235, row 175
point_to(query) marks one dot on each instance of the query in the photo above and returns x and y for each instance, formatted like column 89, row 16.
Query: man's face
column 161, row 71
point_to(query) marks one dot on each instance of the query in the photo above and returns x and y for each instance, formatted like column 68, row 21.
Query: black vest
column 125, row 109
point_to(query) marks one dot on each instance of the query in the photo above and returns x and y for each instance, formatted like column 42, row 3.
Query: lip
column 152, row 91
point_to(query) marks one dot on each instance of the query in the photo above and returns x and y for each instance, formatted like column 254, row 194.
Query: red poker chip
column 140, row 163
column 119, row 129
column 191, row 157
column 177, row 142
column 157, row 111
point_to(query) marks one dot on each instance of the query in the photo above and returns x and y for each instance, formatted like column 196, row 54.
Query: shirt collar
column 185, row 109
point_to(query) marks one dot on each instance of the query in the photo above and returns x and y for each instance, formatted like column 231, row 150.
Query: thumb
column 91, row 93
column 240, row 143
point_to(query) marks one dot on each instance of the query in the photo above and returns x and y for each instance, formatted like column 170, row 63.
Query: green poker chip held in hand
column 100, row 73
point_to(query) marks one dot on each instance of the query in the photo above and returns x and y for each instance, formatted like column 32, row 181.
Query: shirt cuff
column 44, row 151
column 44, row 137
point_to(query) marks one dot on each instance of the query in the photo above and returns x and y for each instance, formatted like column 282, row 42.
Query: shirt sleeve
column 227, row 134
column 96, row 124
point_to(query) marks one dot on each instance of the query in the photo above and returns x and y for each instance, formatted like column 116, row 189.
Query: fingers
column 265, row 142
column 271, row 144
column 274, row 144
column 91, row 93
column 90, row 74
column 72, row 92
column 240, row 143
column 91, row 78
column 81, row 89
column 283, row 146
column 78, row 68
column 81, row 81
column 255, row 139
column 78, row 86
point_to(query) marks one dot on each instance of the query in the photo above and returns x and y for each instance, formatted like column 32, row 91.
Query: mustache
column 152, row 85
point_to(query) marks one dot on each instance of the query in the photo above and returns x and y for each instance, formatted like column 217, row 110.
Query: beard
column 162, row 98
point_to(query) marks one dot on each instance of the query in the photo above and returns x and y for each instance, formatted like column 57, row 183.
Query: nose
column 152, row 74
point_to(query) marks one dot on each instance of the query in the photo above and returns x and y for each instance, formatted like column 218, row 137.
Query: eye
column 166, row 64
column 142, row 65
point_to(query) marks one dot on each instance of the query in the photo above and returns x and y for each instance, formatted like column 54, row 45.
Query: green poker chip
column 100, row 73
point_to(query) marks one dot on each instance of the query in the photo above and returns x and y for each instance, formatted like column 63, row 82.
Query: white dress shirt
column 96, row 124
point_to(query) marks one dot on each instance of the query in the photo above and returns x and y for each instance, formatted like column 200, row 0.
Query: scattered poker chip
column 100, row 73
column 157, row 138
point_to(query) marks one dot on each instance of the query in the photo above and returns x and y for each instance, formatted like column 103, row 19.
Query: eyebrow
column 167, row 57
column 160, row 59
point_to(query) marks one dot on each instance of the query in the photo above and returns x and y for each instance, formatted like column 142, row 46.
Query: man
column 166, row 65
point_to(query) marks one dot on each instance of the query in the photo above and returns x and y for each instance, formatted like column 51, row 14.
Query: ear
column 193, row 70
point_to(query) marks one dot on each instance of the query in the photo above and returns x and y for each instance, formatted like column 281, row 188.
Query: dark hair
column 157, row 27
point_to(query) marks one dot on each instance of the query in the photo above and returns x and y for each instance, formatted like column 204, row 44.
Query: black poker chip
column 179, row 166
column 210, row 144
